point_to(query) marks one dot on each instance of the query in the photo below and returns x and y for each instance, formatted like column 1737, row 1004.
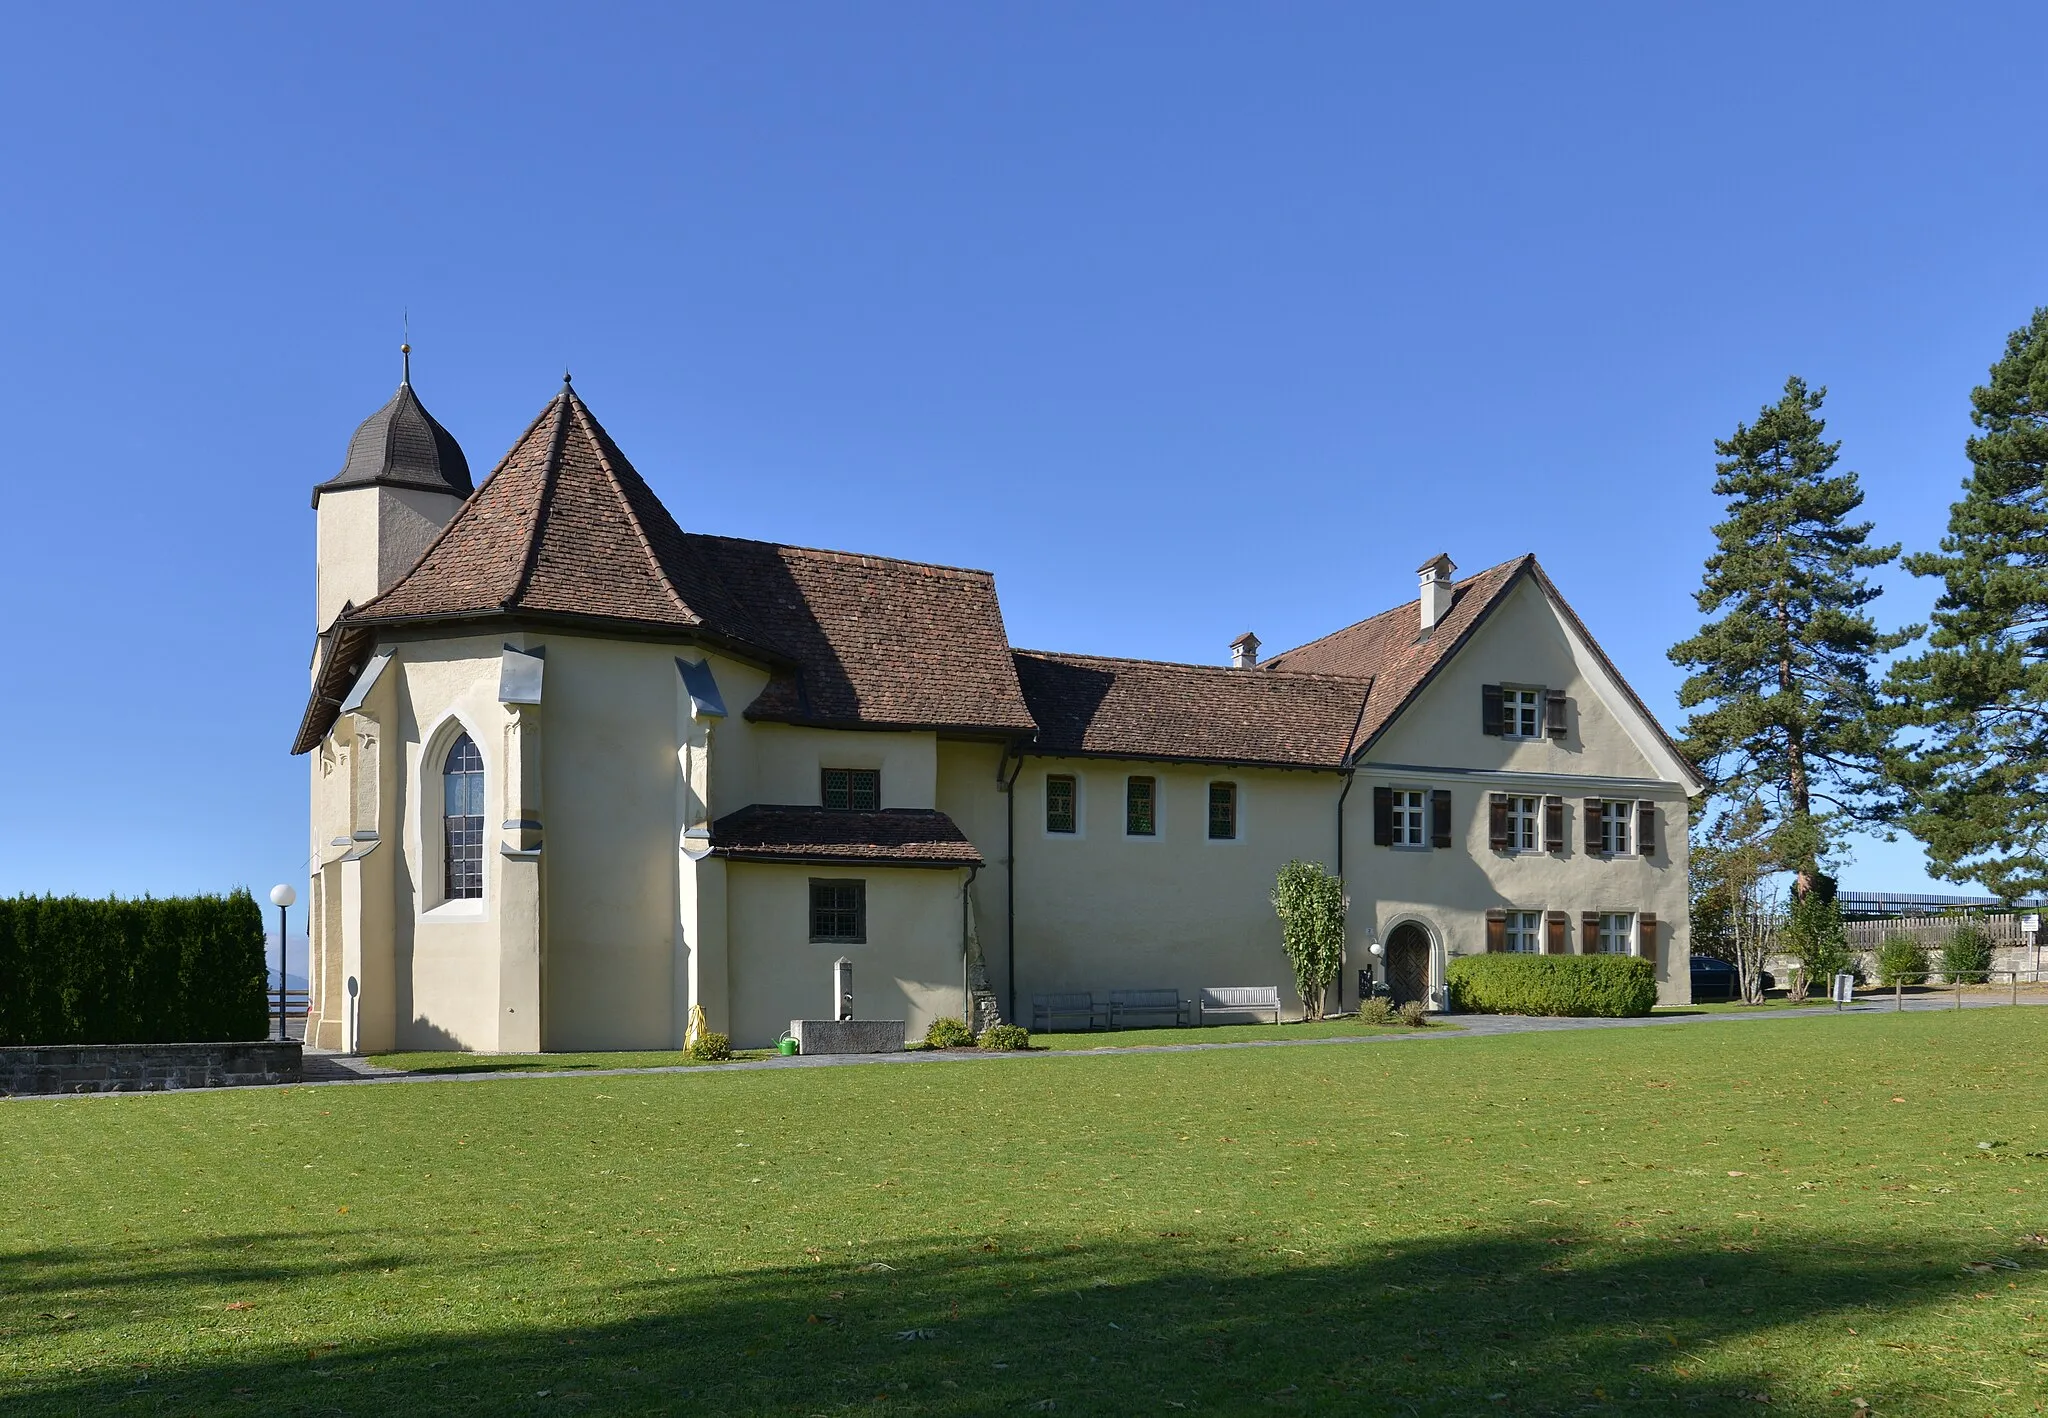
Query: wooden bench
column 1237, row 999
column 1125, row 1005
column 1074, row 1005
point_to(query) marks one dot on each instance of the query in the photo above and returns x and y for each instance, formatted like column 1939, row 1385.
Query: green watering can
column 786, row 1046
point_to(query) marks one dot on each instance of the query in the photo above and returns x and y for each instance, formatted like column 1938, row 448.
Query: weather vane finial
column 405, row 349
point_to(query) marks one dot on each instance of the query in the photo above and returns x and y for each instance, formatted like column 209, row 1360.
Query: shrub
column 1311, row 905
column 1614, row 986
column 1376, row 1009
column 1413, row 1013
column 186, row 969
column 1005, row 1037
column 710, row 1048
column 946, row 1032
column 1818, row 944
column 1966, row 956
column 1901, row 960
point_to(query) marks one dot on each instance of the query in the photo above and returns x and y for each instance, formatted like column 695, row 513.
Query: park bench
column 1126, row 1006
column 1077, row 1007
column 1238, row 999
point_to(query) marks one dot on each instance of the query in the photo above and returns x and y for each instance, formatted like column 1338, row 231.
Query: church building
column 578, row 770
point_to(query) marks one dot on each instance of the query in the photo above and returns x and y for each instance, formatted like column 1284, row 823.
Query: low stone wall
column 848, row 1036
column 147, row 1068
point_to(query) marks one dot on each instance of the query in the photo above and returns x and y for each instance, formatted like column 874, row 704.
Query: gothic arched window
column 462, row 783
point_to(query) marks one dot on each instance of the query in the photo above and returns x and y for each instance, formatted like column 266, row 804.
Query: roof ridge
column 1257, row 672
column 1456, row 586
column 833, row 554
column 594, row 431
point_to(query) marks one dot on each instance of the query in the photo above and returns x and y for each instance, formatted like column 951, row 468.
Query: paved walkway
column 324, row 1068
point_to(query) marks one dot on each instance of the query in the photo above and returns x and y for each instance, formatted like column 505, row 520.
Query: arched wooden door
column 1408, row 963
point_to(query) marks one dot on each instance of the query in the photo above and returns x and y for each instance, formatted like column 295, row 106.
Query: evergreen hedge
column 1615, row 986
column 185, row 969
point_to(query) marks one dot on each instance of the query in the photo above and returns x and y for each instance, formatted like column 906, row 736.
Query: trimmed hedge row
column 1614, row 986
column 186, row 969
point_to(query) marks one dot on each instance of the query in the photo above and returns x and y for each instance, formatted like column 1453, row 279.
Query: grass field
column 1648, row 1220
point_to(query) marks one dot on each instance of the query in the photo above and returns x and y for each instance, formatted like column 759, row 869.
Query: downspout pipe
column 1350, row 772
column 966, row 937
column 1009, row 786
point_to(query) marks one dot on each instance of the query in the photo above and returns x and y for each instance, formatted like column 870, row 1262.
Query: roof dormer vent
column 1244, row 651
column 1436, row 588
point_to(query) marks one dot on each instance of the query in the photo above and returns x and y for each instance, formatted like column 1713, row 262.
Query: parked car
column 1715, row 980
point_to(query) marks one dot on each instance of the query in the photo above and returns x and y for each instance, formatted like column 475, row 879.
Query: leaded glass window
column 1141, row 807
column 1222, row 811
column 839, row 911
column 855, row 789
column 462, row 818
column 1059, row 803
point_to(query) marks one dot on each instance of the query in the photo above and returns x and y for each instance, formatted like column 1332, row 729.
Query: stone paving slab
column 341, row 1070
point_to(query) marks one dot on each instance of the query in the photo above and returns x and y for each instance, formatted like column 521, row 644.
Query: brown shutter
column 1440, row 817
column 1489, row 710
column 1589, row 933
column 1497, row 822
column 1496, row 931
column 1646, row 830
column 1383, row 817
column 1557, row 934
column 1554, row 712
column 1646, row 935
column 1553, row 824
column 1592, row 825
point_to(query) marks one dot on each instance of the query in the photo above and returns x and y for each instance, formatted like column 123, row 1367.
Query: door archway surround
column 1408, row 958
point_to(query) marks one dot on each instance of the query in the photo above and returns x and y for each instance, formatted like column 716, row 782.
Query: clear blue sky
column 1182, row 319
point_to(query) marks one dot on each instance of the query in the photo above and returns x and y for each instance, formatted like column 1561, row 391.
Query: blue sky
column 1182, row 319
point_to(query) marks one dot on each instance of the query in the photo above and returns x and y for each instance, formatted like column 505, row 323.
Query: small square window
column 1141, row 807
column 1059, row 803
column 1222, row 812
column 1408, row 825
column 839, row 912
column 852, row 789
column 1525, row 932
column 1521, row 713
column 1617, row 933
column 1615, row 820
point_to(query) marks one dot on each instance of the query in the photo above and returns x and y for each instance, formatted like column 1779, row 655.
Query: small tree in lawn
column 1736, row 851
column 1310, row 903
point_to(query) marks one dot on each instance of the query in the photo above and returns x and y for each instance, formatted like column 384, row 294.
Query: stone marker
column 848, row 1036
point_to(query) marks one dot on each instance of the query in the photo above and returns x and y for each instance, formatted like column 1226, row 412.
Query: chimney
column 1244, row 651
column 1436, row 588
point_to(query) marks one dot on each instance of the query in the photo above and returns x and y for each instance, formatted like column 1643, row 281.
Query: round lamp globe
column 282, row 895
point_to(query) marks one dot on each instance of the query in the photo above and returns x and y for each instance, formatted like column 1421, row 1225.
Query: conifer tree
column 1784, row 709
column 1974, row 762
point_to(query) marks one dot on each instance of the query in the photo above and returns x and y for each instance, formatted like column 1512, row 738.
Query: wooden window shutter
column 1489, row 710
column 1555, row 713
column 1496, row 931
column 1646, row 936
column 1646, row 831
column 1592, row 806
column 1557, row 939
column 1383, row 817
column 1589, row 933
column 1553, row 824
column 1440, row 817
column 1497, row 822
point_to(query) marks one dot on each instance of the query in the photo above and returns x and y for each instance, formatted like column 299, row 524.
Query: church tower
column 403, row 480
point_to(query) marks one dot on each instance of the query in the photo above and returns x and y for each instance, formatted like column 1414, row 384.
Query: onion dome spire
column 401, row 445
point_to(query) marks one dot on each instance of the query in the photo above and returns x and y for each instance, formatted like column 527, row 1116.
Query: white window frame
column 1525, row 828
column 1517, row 700
column 1411, row 808
column 1236, row 811
column 1527, row 925
column 1617, row 827
column 1617, row 929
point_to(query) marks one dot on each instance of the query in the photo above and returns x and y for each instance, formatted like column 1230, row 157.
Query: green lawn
column 1346, row 1028
column 1639, row 1220
column 430, row 1062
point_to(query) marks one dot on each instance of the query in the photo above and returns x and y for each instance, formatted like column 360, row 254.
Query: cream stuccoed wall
column 1438, row 744
column 367, row 537
column 909, row 968
column 788, row 762
column 969, row 794
column 1099, row 910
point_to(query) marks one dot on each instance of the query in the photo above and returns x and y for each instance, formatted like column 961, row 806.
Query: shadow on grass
column 1517, row 1321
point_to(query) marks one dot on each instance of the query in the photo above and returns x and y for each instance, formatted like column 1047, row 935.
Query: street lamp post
column 281, row 896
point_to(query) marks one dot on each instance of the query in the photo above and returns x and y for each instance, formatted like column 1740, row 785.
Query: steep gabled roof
column 1395, row 652
column 1091, row 704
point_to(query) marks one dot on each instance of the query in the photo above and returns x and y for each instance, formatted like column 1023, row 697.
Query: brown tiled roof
column 913, row 837
column 1090, row 704
column 343, row 652
column 1396, row 652
column 566, row 529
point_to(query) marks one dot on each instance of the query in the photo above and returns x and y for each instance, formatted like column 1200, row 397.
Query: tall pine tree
column 1784, row 710
column 1974, row 762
